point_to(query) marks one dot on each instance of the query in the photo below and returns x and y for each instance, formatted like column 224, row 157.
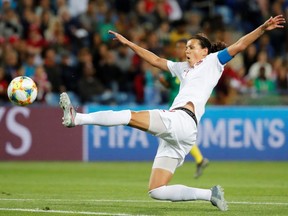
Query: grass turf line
column 251, row 188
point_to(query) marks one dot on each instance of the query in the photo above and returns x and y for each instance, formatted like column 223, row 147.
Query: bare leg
column 140, row 120
column 159, row 177
column 162, row 172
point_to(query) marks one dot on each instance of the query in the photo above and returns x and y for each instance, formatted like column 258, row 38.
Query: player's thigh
column 162, row 171
column 140, row 120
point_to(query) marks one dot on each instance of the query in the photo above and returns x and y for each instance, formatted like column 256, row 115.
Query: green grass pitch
column 120, row 188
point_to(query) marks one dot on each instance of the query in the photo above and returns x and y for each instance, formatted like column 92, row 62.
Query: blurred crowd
column 64, row 45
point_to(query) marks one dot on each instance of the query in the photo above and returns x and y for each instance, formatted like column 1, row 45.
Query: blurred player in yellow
column 173, row 83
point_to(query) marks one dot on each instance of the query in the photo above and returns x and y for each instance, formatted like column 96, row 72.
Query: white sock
column 180, row 193
column 104, row 118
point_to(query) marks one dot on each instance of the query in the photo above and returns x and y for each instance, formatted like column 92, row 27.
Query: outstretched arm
column 246, row 40
column 148, row 56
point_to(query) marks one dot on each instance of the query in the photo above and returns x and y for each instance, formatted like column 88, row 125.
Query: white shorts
column 177, row 135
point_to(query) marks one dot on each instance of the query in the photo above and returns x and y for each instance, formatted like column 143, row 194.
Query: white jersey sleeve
column 177, row 68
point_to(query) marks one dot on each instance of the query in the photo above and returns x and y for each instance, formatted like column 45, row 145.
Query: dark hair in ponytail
column 217, row 46
column 205, row 43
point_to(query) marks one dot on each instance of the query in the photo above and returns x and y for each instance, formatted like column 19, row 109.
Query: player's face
column 194, row 52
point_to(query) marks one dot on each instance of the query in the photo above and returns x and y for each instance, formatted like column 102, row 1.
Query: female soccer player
column 176, row 127
column 173, row 84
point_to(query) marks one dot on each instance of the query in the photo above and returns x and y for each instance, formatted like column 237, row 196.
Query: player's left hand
column 274, row 22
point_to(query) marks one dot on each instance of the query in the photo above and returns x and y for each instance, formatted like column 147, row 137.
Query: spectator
column 69, row 76
column 179, row 32
column 102, row 8
column 84, row 58
column 112, row 77
column 46, row 17
column 88, row 19
column 76, row 35
column 28, row 18
column 29, row 64
column 124, row 61
column 159, row 10
column 194, row 20
column 262, row 84
column 278, row 37
column 223, row 91
column 60, row 6
column 105, row 26
column 55, row 35
column 163, row 33
column 262, row 61
column 43, row 85
column 277, row 65
column 7, row 4
column 249, row 57
column 152, row 95
column 91, row 89
column 123, row 23
column 54, row 77
column 265, row 45
column 139, row 86
column 20, row 48
column 108, row 72
column 143, row 16
column 11, row 64
column 35, row 40
column 10, row 25
column 248, row 10
column 43, row 5
column 153, row 43
column 25, row 4
column 282, row 80
column 123, row 58
column 98, row 49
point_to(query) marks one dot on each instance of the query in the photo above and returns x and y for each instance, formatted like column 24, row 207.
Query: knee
column 157, row 193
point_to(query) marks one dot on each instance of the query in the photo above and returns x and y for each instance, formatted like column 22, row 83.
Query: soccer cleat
column 68, row 110
column 217, row 198
column 200, row 167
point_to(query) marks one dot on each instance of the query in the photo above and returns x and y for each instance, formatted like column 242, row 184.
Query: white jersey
column 197, row 82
